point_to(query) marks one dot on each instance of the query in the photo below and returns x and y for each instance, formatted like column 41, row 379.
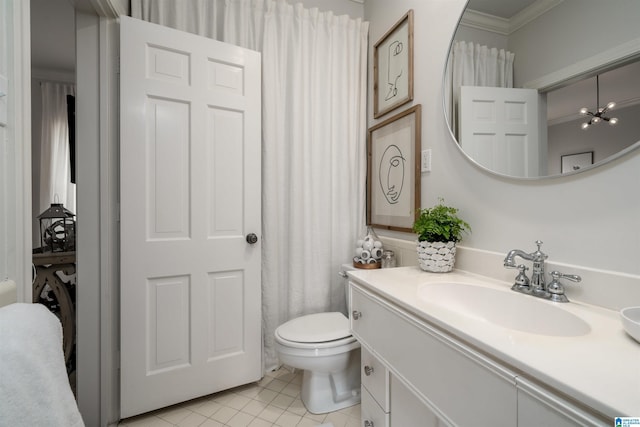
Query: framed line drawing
column 393, row 67
column 393, row 171
column 574, row 162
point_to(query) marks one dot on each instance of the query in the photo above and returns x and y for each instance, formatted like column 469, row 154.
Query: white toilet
column 322, row 345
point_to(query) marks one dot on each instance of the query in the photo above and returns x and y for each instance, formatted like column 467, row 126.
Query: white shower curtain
column 55, row 163
column 313, row 148
column 472, row 64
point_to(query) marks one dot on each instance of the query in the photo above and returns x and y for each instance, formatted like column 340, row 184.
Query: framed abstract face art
column 393, row 171
column 393, row 67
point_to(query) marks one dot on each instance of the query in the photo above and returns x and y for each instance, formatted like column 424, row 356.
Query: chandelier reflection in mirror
column 600, row 114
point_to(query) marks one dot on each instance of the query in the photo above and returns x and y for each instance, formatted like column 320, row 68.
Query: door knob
column 252, row 238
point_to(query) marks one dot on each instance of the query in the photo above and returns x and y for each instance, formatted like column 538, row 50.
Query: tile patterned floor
column 273, row 401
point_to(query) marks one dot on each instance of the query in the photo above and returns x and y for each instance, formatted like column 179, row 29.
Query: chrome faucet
column 537, row 286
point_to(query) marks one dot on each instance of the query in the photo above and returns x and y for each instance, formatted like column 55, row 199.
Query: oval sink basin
column 505, row 308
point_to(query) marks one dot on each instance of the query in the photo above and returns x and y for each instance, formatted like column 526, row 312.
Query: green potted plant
column 439, row 229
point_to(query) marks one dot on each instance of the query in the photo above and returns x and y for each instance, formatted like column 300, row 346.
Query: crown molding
column 530, row 13
column 483, row 21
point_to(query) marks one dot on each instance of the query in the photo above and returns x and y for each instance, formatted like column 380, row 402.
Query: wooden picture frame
column 575, row 162
column 393, row 67
column 393, row 171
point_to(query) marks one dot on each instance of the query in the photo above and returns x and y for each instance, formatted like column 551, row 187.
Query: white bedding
column 34, row 389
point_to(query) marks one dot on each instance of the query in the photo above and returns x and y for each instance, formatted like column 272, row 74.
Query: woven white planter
column 436, row 257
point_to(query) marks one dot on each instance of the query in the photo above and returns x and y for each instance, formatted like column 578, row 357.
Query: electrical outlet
column 426, row 160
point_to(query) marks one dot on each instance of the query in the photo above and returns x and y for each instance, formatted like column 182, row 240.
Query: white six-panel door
column 190, row 194
column 501, row 129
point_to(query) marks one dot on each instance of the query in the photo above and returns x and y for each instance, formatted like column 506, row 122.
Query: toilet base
column 323, row 392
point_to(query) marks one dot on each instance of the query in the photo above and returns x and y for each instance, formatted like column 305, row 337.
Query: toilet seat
column 313, row 331
column 315, row 345
column 319, row 327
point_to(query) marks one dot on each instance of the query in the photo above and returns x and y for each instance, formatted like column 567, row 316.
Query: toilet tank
column 345, row 281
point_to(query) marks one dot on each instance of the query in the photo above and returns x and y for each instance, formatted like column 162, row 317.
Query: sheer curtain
column 471, row 64
column 55, row 162
column 313, row 148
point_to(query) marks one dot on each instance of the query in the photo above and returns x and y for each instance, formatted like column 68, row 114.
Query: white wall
column 52, row 35
column 589, row 219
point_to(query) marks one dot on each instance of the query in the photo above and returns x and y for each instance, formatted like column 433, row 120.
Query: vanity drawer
column 461, row 385
column 370, row 411
column 375, row 378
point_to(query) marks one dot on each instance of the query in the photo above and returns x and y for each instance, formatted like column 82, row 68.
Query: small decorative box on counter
column 369, row 251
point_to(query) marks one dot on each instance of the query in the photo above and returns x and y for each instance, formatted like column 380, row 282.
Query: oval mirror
column 538, row 88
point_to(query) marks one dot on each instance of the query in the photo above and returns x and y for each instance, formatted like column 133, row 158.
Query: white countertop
column 600, row 369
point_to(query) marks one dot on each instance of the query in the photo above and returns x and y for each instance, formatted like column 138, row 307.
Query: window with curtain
column 56, row 171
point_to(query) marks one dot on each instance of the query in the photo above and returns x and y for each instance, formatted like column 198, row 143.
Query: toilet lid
column 319, row 327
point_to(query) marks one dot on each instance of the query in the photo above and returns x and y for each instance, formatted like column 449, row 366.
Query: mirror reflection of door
column 501, row 129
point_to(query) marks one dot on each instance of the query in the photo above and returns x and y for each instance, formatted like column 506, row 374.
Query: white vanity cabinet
column 539, row 407
column 420, row 375
column 433, row 379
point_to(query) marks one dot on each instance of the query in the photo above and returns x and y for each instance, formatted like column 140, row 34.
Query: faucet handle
column 522, row 283
column 573, row 277
column 556, row 289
